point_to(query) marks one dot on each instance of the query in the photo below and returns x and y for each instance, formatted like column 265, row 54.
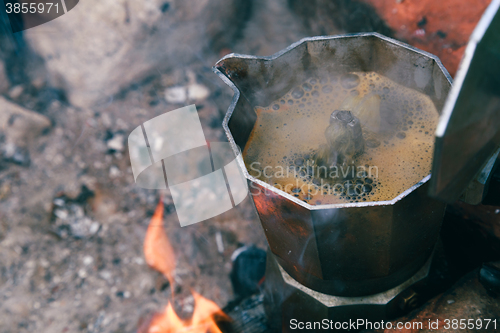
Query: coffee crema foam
column 290, row 130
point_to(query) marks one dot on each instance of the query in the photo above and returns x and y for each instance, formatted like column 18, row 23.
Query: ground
column 72, row 220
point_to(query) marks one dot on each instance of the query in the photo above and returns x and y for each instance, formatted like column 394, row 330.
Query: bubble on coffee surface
column 397, row 155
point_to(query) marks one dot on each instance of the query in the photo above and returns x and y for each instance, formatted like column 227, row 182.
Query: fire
column 159, row 255
column 158, row 251
column 202, row 320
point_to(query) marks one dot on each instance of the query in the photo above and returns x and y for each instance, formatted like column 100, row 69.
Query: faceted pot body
column 350, row 249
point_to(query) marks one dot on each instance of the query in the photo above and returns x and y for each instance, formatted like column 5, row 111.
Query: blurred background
column 72, row 220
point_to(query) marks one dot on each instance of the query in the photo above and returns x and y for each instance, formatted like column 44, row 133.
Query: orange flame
column 158, row 251
column 159, row 255
column 202, row 320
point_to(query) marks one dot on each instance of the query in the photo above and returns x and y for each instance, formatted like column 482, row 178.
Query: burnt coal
column 489, row 276
column 70, row 218
column 249, row 266
column 16, row 155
